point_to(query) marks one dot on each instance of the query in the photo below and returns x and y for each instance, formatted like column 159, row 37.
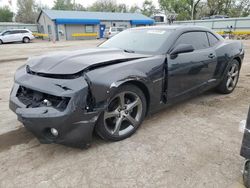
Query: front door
column 102, row 29
column 191, row 70
column 8, row 36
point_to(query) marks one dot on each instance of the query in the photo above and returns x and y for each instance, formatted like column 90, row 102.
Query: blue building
column 75, row 25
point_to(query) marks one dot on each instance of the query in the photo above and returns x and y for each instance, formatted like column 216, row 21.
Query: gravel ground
column 195, row 143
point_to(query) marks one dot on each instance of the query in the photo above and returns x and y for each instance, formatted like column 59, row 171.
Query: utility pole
column 192, row 16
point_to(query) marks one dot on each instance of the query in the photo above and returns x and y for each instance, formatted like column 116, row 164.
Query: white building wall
column 47, row 26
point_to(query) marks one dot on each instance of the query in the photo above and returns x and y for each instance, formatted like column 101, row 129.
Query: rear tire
column 125, row 112
column 26, row 40
column 231, row 78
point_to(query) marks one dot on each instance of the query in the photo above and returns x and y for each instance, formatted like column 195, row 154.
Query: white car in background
column 112, row 31
column 16, row 35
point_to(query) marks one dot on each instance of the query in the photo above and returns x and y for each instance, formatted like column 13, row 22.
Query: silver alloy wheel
column 233, row 75
column 123, row 113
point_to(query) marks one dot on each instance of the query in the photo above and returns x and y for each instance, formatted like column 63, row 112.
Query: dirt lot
column 193, row 144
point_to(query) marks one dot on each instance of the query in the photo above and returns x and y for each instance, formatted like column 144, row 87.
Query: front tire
column 1, row 42
column 231, row 78
column 125, row 112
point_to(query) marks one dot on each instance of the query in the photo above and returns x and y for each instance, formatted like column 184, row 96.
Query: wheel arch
column 238, row 59
column 142, row 87
column 26, row 37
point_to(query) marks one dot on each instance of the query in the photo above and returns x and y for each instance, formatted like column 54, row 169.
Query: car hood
column 71, row 62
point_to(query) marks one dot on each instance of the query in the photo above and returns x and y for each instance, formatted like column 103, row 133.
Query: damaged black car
column 65, row 96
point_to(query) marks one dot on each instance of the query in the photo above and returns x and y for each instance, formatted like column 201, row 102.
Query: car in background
column 215, row 17
column 16, row 35
column 112, row 31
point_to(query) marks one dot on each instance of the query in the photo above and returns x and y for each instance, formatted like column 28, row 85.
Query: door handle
column 211, row 56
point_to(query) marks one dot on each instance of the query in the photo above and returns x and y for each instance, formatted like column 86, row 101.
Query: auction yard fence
column 235, row 25
column 14, row 25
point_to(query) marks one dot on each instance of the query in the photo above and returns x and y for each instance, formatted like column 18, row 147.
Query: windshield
column 138, row 40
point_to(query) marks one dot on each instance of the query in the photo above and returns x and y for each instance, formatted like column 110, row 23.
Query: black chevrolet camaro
column 64, row 97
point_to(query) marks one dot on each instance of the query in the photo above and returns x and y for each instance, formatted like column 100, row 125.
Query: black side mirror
column 181, row 48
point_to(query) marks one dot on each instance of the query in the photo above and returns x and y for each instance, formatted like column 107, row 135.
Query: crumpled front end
column 54, row 110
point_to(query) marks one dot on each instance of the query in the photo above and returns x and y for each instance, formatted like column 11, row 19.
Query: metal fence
column 240, row 25
column 13, row 25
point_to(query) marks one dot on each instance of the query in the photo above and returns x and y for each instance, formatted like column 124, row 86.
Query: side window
column 89, row 28
column 212, row 39
column 23, row 31
column 15, row 32
column 197, row 39
column 119, row 29
column 6, row 33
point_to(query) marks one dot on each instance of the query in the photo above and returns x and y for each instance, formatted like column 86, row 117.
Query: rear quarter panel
column 226, row 51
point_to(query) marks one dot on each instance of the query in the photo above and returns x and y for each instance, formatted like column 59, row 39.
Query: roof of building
column 61, row 16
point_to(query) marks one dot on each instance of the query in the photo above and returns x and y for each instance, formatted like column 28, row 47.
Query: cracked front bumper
column 74, row 124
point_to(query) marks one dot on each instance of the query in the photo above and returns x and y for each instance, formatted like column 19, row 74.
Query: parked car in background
column 215, row 17
column 16, row 35
column 112, row 31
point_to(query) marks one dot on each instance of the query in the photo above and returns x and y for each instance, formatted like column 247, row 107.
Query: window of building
column 89, row 29
column 198, row 40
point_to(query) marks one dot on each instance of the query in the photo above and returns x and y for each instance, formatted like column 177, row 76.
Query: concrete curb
column 15, row 59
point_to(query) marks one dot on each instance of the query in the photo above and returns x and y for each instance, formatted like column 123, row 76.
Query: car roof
column 176, row 27
column 17, row 29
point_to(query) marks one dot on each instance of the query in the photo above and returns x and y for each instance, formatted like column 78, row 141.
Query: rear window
column 212, row 39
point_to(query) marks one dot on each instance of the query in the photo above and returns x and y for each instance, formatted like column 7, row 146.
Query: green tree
column 104, row 6
column 78, row 7
column 63, row 5
column 5, row 14
column 134, row 9
column 148, row 9
column 232, row 8
column 195, row 9
column 26, row 12
column 179, row 7
column 122, row 8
